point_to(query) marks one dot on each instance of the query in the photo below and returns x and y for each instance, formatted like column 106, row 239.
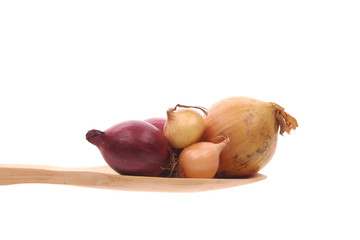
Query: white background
column 70, row 66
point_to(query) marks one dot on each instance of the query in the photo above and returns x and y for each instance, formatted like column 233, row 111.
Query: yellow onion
column 184, row 127
column 201, row 159
column 252, row 127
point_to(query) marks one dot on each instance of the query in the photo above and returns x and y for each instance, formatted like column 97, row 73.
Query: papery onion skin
column 200, row 160
column 183, row 127
column 252, row 126
column 133, row 148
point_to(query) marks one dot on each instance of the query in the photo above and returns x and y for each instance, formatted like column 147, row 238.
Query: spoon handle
column 16, row 174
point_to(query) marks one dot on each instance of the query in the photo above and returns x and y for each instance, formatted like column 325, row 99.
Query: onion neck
column 170, row 113
column 286, row 121
column 95, row 136
column 222, row 145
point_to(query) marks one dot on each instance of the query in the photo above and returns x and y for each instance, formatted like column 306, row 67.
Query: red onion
column 133, row 148
column 157, row 122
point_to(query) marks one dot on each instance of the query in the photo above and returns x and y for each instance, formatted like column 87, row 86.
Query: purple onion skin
column 133, row 148
column 157, row 122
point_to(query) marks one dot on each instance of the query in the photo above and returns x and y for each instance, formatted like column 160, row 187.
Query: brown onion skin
column 252, row 128
column 133, row 148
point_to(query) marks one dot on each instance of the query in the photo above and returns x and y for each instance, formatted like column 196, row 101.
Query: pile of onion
column 248, row 127
column 252, row 127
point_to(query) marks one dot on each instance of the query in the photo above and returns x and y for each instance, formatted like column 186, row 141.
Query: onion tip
column 92, row 134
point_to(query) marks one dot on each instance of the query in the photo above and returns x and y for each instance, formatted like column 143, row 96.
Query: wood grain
column 104, row 177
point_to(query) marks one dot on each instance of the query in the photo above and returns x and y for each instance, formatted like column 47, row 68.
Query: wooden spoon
column 105, row 177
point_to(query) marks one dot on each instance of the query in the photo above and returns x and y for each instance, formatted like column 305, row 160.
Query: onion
column 157, row 122
column 201, row 159
column 252, row 127
column 133, row 148
column 184, row 127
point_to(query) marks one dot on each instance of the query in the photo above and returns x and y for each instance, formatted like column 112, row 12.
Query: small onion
column 133, row 148
column 201, row 159
column 184, row 127
column 252, row 126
